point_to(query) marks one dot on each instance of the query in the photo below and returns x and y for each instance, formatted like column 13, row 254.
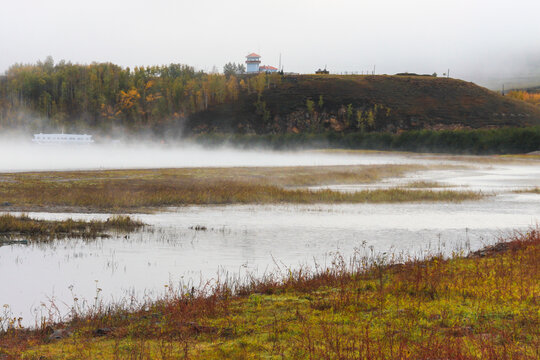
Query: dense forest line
column 101, row 96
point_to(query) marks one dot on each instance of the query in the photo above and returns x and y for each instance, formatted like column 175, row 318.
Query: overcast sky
column 476, row 39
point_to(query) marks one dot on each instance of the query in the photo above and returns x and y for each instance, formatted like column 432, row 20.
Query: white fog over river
column 24, row 156
column 254, row 238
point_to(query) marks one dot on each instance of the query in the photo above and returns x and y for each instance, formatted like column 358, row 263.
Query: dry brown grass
column 136, row 190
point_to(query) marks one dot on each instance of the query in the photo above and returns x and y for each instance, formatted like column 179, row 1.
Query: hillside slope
column 373, row 103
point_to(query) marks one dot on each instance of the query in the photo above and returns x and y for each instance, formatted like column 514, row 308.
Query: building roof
column 253, row 55
column 267, row 67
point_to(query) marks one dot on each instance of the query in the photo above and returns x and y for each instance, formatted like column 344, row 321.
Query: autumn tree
column 258, row 83
column 97, row 95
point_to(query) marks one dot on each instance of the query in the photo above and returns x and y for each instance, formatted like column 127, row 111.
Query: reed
column 15, row 227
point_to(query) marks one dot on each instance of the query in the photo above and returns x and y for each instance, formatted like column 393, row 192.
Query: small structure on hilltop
column 62, row 139
column 252, row 63
column 323, row 72
column 268, row 69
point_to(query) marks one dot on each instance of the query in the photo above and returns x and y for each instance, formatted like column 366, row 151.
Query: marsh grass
column 423, row 185
column 25, row 227
column 135, row 190
column 535, row 190
column 480, row 306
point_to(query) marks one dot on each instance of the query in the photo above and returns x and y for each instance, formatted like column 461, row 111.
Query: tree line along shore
column 175, row 101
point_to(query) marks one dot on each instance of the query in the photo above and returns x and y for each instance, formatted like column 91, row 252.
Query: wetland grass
column 535, row 190
column 480, row 306
column 13, row 227
column 423, row 185
column 140, row 190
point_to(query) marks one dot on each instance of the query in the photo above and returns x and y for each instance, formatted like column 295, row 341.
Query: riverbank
column 510, row 140
column 482, row 305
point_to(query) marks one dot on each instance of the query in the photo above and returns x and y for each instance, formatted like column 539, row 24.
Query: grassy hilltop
column 352, row 103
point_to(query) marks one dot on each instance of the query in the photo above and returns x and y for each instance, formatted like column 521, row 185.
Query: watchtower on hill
column 253, row 61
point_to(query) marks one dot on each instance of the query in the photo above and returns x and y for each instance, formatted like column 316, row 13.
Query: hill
column 175, row 99
column 317, row 103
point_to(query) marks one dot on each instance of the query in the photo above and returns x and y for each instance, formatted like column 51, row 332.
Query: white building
column 62, row 139
column 252, row 63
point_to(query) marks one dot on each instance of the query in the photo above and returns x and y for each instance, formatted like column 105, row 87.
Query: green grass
column 23, row 226
column 141, row 190
column 482, row 306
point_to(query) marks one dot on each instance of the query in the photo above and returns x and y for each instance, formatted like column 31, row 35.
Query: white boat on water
column 62, row 139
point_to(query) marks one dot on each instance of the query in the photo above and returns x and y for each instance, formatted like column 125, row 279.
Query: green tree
column 233, row 69
column 349, row 112
column 370, row 119
column 320, row 103
column 310, row 104
column 230, row 69
column 360, row 120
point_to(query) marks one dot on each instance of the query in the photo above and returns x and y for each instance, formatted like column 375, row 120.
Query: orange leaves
column 152, row 97
column 149, row 84
column 129, row 99
column 110, row 112
column 531, row 98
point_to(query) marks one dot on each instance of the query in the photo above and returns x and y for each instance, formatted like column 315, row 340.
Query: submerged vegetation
column 17, row 227
column 480, row 306
column 135, row 190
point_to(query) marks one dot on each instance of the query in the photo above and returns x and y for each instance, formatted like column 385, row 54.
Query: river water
column 259, row 239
